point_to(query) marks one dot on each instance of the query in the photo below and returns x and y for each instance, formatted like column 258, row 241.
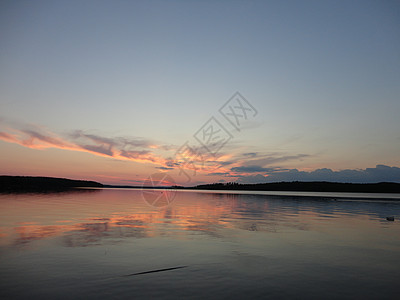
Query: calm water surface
column 81, row 245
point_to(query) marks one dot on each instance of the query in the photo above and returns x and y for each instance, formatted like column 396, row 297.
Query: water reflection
column 79, row 245
column 111, row 216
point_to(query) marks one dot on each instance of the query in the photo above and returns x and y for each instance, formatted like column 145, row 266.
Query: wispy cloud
column 35, row 138
column 248, row 163
column 246, row 167
column 31, row 138
column 164, row 168
column 250, row 154
column 122, row 148
column 8, row 137
column 269, row 159
column 225, row 174
column 253, row 169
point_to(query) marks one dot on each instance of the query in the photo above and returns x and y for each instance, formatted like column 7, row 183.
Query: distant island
column 51, row 184
column 305, row 186
column 42, row 184
column 293, row 186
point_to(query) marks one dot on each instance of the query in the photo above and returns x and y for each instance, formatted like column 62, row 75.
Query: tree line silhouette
column 303, row 186
column 42, row 184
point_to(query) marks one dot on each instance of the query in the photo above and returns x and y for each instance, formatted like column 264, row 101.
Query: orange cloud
column 118, row 148
column 121, row 148
column 8, row 137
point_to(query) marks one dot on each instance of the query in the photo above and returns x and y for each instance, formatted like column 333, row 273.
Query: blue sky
column 323, row 75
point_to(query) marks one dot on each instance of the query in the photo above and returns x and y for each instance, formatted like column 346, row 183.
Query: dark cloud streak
column 380, row 173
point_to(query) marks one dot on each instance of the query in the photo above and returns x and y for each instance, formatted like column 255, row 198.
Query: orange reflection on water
column 89, row 218
column 110, row 216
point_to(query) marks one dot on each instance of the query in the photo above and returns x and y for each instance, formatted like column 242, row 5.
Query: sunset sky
column 115, row 91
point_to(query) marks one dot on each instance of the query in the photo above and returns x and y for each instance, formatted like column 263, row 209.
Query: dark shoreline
column 312, row 186
column 296, row 186
column 30, row 184
column 22, row 184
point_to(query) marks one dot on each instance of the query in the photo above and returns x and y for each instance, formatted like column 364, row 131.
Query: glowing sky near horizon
column 109, row 90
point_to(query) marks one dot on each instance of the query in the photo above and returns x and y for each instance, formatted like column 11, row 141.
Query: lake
column 101, row 244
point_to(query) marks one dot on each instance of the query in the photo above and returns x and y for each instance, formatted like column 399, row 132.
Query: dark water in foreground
column 80, row 245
